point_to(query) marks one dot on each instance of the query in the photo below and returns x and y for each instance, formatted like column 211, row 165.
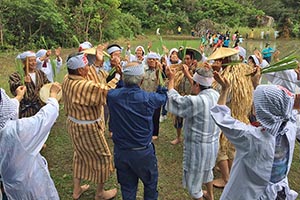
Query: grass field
column 59, row 148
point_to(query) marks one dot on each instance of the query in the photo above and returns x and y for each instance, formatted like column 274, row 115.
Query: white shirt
column 48, row 70
column 24, row 171
column 252, row 166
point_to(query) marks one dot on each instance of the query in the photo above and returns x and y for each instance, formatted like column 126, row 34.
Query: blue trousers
column 133, row 165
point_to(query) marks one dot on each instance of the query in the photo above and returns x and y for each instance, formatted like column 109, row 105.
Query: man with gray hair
column 201, row 134
column 131, row 110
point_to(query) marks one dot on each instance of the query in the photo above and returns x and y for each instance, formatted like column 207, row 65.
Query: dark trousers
column 133, row 165
column 163, row 110
column 155, row 120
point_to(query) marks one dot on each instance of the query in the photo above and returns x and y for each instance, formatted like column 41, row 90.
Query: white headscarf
column 25, row 54
column 273, row 106
column 78, row 61
column 9, row 108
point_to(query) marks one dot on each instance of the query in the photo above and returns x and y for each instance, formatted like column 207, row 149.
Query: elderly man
column 201, row 134
column 34, row 79
column 24, row 171
column 44, row 64
column 263, row 154
column 150, row 83
column 131, row 110
column 84, row 100
column 114, row 50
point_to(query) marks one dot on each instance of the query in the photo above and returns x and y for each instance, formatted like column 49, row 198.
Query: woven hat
column 45, row 93
column 197, row 54
column 222, row 53
column 90, row 51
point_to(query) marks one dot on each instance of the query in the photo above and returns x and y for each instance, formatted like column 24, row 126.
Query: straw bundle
column 240, row 92
column 179, row 74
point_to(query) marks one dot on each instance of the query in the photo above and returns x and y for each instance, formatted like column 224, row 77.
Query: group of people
column 228, row 119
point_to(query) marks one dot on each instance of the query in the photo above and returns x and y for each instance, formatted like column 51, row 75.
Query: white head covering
column 203, row 76
column 77, row 62
column 85, row 45
column 134, row 69
column 25, row 54
column 169, row 56
column 113, row 48
column 273, row 106
column 138, row 48
column 9, row 108
column 254, row 58
column 41, row 53
column 242, row 52
column 153, row 55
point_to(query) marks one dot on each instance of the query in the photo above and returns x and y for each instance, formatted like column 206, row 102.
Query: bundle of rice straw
column 240, row 92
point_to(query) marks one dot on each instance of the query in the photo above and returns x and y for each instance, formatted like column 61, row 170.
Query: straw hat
column 45, row 93
column 222, row 53
column 197, row 54
column 91, row 51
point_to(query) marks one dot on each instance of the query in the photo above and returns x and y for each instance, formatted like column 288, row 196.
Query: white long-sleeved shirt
column 24, row 171
column 48, row 70
column 252, row 166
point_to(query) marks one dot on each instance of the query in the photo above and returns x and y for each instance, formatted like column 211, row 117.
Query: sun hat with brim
column 197, row 54
column 45, row 93
column 222, row 52
column 90, row 51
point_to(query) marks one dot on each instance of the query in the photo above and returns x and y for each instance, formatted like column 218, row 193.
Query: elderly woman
column 263, row 154
column 24, row 171
column 34, row 80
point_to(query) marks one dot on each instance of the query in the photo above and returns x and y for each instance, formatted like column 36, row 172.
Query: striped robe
column 201, row 136
column 31, row 103
column 84, row 100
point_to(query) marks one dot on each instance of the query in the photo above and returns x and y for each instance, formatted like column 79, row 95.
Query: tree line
column 65, row 22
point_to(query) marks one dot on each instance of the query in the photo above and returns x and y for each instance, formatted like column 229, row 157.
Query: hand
column 258, row 55
column 20, row 91
column 255, row 76
column 276, row 55
column 185, row 70
column 27, row 78
column 57, row 51
column 222, row 81
column 201, row 48
column 166, row 51
column 55, row 89
column 115, row 61
column 158, row 65
column 170, row 72
column 99, row 53
column 149, row 46
column 128, row 46
column 48, row 53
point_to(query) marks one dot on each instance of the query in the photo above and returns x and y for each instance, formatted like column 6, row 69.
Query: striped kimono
column 201, row 137
column 84, row 100
column 31, row 103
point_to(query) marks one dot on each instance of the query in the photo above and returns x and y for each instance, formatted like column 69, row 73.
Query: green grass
column 59, row 148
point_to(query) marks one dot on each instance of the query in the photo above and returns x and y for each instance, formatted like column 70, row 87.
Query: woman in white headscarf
column 24, row 171
column 263, row 154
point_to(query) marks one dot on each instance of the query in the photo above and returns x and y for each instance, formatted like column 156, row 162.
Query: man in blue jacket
column 131, row 110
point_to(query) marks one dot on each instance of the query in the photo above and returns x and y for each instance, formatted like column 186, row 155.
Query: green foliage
column 23, row 22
